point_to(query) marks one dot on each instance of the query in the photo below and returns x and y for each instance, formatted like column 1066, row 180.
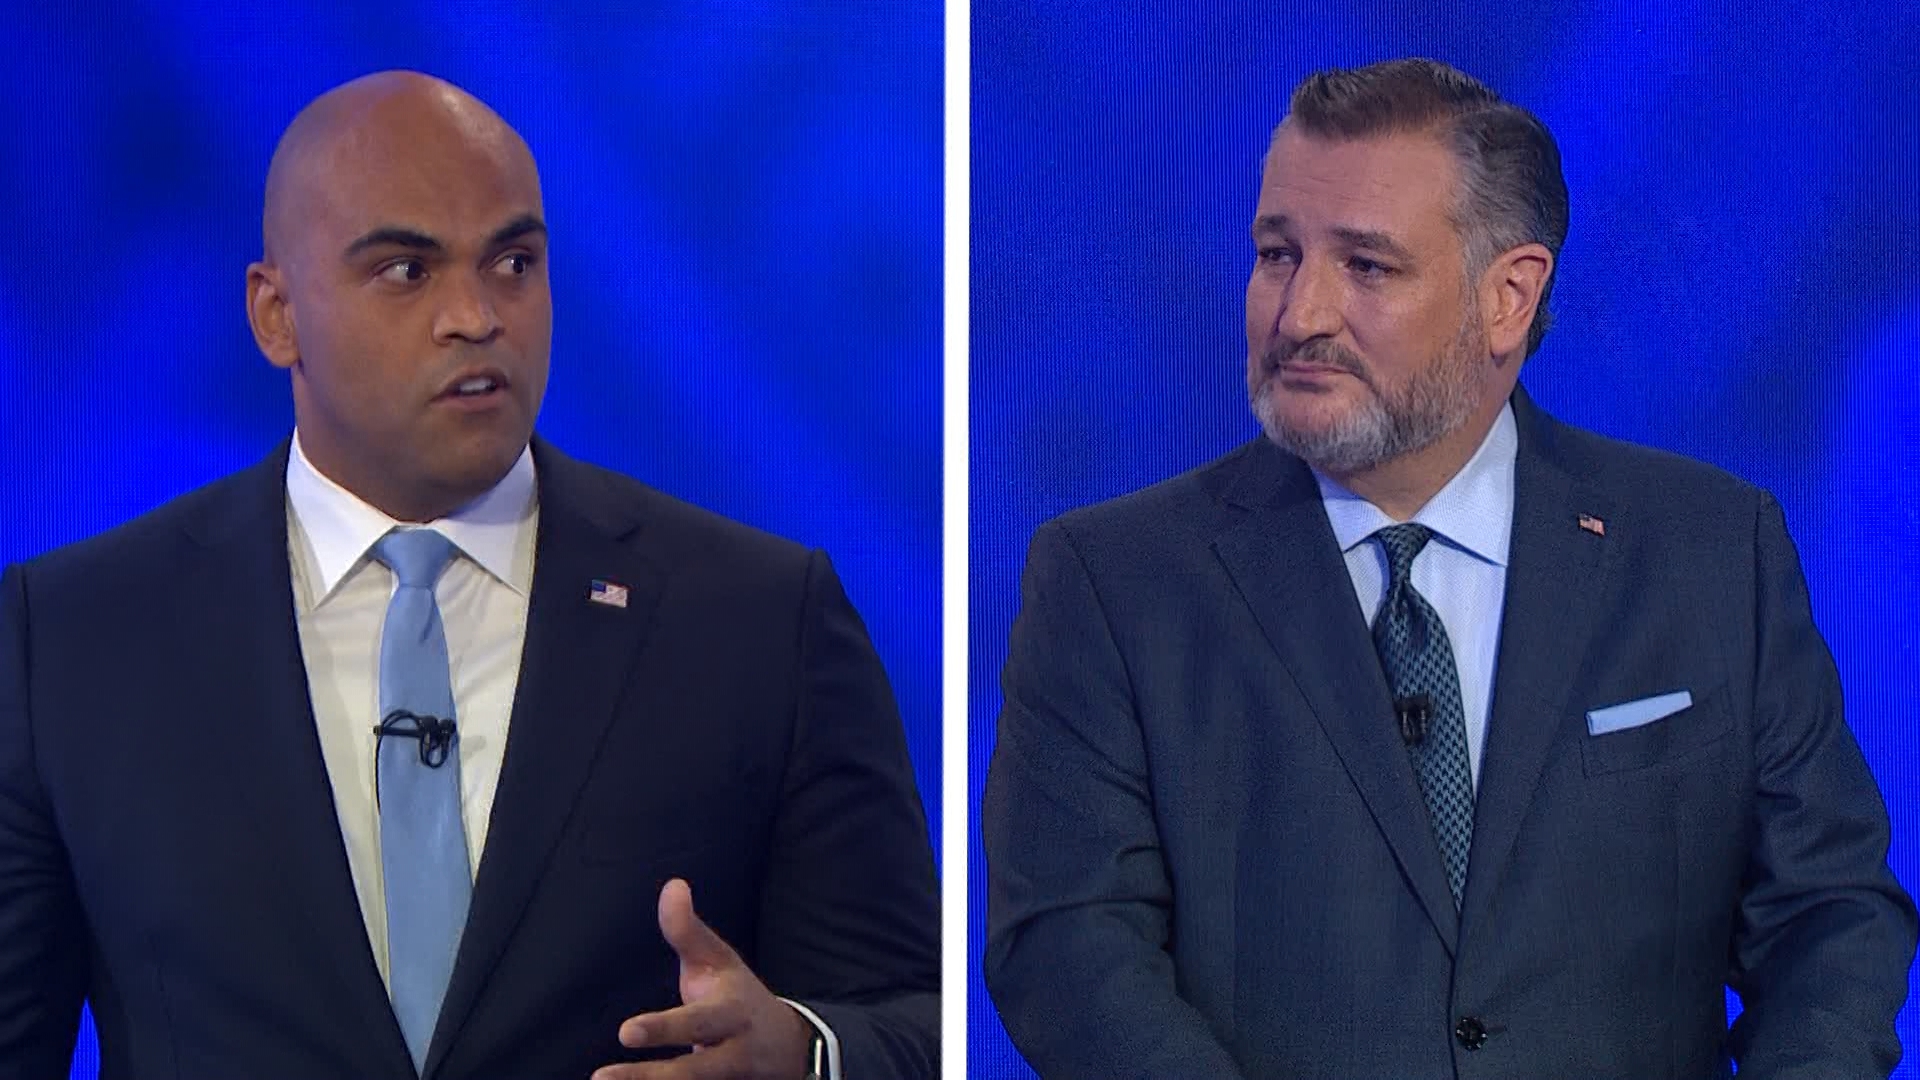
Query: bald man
column 420, row 749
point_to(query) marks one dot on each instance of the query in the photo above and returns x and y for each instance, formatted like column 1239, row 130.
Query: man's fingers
column 716, row 1064
column 680, row 1068
column 692, row 940
column 700, row 1024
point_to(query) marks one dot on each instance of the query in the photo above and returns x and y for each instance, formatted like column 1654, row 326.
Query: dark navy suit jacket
column 1208, row 855
column 169, row 849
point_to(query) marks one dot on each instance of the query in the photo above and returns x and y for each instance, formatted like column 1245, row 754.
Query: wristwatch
column 816, row 1054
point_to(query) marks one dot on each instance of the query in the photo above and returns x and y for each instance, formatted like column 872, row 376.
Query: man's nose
column 1309, row 305
column 467, row 312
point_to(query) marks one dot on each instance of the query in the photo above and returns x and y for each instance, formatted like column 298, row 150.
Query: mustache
column 1323, row 351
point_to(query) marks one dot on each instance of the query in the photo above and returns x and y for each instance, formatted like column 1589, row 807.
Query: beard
column 1391, row 422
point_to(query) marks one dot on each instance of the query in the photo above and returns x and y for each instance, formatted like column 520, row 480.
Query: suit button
column 1471, row 1032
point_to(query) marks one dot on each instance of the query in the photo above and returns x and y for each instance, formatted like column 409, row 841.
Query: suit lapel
column 1283, row 556
column 573, row 667
column 272, row 761
column 1556, row 576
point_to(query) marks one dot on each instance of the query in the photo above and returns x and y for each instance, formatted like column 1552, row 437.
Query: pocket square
column 1639, row 713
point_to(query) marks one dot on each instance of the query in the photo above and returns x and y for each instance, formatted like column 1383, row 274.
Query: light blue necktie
column 1418, row 660
column 423, row 844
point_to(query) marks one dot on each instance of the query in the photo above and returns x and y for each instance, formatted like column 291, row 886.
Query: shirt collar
column 342, row 527
column 1473, row 512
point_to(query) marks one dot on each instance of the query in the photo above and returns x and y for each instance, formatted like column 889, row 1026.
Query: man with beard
column 1427, row 736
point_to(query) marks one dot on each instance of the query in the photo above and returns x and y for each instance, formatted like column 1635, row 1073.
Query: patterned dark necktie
column 1418, row 660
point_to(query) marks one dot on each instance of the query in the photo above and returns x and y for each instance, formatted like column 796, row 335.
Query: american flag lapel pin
column 1593, row 525
column 609, row 593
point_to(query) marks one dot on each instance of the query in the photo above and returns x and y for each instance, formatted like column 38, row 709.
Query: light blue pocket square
column 1635, row 714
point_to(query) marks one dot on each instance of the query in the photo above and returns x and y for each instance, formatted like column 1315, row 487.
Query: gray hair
column 1512, row 190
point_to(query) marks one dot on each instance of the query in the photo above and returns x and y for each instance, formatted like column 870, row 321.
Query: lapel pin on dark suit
column 611, row 593
column 1593, row 525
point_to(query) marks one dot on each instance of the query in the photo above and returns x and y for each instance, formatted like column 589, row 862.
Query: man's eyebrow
column 394, row 236
column 1372, row 240
column 524, row 225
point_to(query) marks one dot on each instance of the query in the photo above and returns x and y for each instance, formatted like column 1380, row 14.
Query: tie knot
column 1402, row 544
column 416, row 556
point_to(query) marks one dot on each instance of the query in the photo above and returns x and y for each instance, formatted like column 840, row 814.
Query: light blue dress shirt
column 1462, row 572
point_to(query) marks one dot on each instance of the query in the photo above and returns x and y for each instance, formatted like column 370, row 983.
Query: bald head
column 374, row 125
column 403, row 287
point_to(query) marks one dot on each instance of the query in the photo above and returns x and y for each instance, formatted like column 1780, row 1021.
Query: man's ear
column 1510, row 293
column 271, row 315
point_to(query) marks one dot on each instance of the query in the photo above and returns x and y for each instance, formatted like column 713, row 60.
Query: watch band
column 823, row 1050
column 816, row 1054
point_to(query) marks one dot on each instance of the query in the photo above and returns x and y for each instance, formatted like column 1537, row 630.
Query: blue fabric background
column 1740, row 283
column 745, row 203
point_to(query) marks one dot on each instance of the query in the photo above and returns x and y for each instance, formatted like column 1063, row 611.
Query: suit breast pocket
column 1702, row 723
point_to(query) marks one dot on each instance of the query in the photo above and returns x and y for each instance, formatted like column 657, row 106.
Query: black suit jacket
column 169, row 849
column 1208, row 854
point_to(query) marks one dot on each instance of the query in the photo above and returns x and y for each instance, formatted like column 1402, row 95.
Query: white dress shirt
column 340, row 599
column 1462, row 571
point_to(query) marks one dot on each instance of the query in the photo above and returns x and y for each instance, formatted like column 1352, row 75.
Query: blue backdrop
column 745, row 204
column 1741, row 282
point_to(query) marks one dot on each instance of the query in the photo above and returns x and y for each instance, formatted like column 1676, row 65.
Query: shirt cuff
column 826, row 1033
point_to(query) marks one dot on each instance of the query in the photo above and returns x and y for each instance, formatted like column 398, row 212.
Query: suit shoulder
column 141, row 544
column 686, row 533
column 1634, row 473
column 1173, row 510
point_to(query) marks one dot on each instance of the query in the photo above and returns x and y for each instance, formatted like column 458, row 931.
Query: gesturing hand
column 737, row 1028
